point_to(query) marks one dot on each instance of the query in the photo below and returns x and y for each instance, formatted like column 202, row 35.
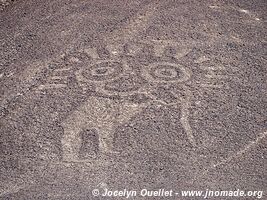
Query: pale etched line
column 229, row 8
column 119, row 37
column 243, row 151
column 251, row 15
column 92, row 52
column 165, row 42
column 63, row 69
column 212, row 68
column 216, row 76
column 202, row 59
column 244, row 11
column 54, row 85
column 236, row 38
column 247, row 12
column 135, row 25
column 211, row 86
column 59, row 77
column 185, row 113
column 213, row 83
column 51, row 86
column 182, row 49
column 235, row 155
column 25, row 81
column 230, row 158
column 13, row 189
column 159, row 50
column 158, row 101
column 214, row 6
column 190, row 44
column 87, row 162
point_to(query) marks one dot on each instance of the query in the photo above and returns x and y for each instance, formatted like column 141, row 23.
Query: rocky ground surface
column 122, row 94
column 5, row 3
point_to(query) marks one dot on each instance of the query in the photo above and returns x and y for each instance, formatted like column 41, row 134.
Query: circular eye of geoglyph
column 165, row 72
column 101, row 71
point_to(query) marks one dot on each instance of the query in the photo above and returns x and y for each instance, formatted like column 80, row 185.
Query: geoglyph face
column 124, row 73
column 103, row 74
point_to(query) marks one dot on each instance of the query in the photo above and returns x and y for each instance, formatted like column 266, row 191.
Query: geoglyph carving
column 106, row 114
